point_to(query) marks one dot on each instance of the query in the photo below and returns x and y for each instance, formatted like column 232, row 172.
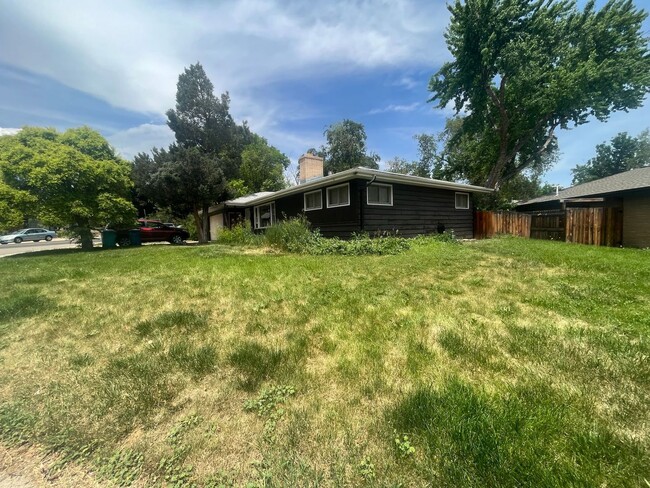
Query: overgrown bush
column 361, row 244
column 240, row 234
column 293, row 235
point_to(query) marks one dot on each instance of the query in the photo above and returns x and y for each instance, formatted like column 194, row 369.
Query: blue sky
column 292, row 68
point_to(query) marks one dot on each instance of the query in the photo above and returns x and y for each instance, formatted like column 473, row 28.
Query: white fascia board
column 366, row 173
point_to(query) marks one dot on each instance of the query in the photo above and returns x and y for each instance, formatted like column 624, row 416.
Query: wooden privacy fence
column 488, row 224
column 597, row 226
column 549, row 225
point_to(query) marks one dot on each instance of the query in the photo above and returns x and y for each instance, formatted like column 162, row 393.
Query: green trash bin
column 108, row 238
column 134, row 237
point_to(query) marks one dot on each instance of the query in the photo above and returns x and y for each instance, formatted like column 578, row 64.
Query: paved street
column 25, row 247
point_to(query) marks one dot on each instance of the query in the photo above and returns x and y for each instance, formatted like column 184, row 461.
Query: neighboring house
column 628, row 193
column 357, row 200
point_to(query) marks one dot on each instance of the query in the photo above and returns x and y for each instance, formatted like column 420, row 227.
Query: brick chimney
column 311, row 167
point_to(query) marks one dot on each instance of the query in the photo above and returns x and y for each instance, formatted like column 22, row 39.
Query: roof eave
column 367, row 173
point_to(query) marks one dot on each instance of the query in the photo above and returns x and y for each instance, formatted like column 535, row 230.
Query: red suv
column 154, row 231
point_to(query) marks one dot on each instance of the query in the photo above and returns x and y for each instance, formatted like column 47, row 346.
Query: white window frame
column 327, row 191
column 257, row 217
column 456, row 200
column 376, row 203
column 320, row 191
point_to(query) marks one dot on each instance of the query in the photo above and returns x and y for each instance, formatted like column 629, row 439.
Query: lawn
column 504, row 362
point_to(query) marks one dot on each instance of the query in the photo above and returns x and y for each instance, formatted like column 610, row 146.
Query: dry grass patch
column 502, row 362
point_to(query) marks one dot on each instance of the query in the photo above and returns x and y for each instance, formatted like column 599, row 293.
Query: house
column 357, row 200
column 623, row 198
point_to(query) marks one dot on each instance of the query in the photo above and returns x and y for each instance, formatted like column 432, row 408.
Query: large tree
column 194, row 172
column 73, row 180
column 262, row 167
column 346, row 147
column 523, row 68
column 623, row 153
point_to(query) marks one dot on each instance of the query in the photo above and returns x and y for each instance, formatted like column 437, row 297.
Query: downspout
column 361, row 220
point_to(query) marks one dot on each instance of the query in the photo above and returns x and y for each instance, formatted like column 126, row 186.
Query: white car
column 35, row 234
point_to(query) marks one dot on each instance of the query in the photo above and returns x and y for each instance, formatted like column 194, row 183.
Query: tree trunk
column 206, row 223
column 86, row 238
column 201, row 221
column 494, row 178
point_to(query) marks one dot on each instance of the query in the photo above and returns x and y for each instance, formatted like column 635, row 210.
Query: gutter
column 372, row 174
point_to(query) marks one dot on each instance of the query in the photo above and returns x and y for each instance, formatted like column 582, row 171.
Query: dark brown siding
column 416, row 210
column 636, row 219
column 337, row 221
column 419, row 210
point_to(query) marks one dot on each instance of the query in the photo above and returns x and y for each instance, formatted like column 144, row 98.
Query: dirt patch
column 26, row 468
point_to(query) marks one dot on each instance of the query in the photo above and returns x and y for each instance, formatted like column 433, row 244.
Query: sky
column 292, row 68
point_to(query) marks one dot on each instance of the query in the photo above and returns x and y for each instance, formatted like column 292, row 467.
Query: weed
column 16, row 424
column 367, row 469
column 403, row 445
column 269, row 406
column 122, row 467
column 240, row 234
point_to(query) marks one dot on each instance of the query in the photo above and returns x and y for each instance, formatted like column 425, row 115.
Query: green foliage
column 360, row 245
column 346, row 147
column 16, row 424
column 523, row 69
column 14, row 206
column 292, row 235
column 403, row 445
column 295, row 235
column 237, row 188
column 240, row 234
column 623, row 153
column 122, row 468
column 172, row 468
column 367, row 470
column 262, row 167
column 73, row 179
column 270, row 406
column 431, row 158
column 194, row 173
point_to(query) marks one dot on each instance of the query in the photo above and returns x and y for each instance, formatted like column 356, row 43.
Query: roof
column 246, row 199
column 633, row 179
column 360, row 172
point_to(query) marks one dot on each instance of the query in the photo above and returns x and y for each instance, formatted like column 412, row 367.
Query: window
column 313, row 200
column 462, row 200
column 265, row 216
column 338, row 196
column 379, row 194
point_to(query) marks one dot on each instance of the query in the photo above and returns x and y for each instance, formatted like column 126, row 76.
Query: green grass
column 503, row 362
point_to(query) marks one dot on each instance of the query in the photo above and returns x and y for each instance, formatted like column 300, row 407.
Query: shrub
column 240, row 234
column 292, row 235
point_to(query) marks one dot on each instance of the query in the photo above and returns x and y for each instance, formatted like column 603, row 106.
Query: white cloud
column 141, row 139
column 7, row 131
column 395, row 108
column 130, row 53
